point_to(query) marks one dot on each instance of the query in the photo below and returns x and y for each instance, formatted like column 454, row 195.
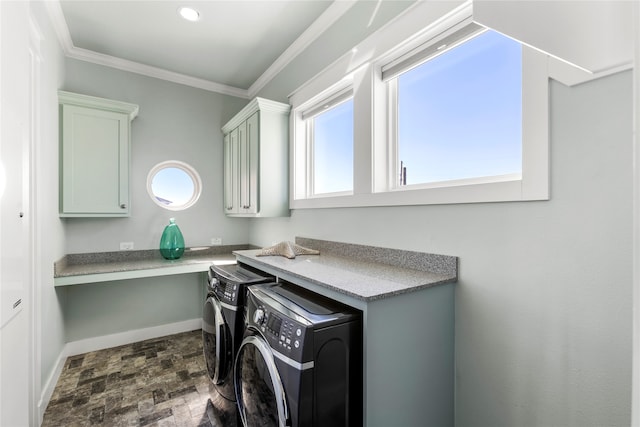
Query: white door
column 15, row 331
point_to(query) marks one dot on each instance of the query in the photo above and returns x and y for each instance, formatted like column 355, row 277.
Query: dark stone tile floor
column 157, row 382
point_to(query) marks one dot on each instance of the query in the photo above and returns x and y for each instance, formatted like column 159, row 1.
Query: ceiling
column 233, row 48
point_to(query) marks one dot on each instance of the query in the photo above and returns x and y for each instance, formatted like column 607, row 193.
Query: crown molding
column 318, row 27
column 256, row 104
column 59, row 24
column 334, row 12
column 64, row 37
column 77, row 99
column 150, row 71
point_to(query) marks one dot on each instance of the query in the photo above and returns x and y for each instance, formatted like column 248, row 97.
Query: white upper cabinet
column 95, row 136
column 256, row 164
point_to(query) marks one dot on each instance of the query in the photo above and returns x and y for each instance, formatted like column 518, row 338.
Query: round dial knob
column 258, row 316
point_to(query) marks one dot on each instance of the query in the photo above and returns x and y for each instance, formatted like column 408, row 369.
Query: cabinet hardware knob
column 123, row 206
column 21, row 214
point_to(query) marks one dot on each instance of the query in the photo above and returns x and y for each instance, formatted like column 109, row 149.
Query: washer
column 300, row 362
column 223, row 322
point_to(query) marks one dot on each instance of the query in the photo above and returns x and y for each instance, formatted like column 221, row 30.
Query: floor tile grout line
column 113, row 386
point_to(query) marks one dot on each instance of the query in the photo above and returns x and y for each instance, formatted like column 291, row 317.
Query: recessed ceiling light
column 189, row 13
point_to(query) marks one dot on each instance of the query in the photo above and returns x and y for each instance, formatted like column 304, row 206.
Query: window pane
column 172, row 186
column 333, row 149
column 460, row 114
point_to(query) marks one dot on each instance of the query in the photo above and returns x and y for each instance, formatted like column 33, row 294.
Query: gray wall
column 178, row 122
column 175, row 122
column 49, row 233
column 123, row 305
column 543, row 304
column 544, row 298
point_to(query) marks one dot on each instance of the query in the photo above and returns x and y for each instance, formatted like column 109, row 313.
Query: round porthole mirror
column 174, row 185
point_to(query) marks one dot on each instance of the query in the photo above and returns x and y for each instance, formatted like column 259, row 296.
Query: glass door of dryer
column 217, row 343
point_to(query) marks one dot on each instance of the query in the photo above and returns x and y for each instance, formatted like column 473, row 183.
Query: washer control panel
column 284, row 334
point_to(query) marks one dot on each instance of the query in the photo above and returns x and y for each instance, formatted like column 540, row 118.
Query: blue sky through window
column 460, row 114
column 333, row 149
column 172, row 186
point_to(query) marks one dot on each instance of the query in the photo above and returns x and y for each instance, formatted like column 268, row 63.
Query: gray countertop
column 106, row 266
column 367, row 273
column 364, row 272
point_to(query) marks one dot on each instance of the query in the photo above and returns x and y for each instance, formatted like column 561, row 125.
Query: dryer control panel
column 229, row 282
column 226, row 292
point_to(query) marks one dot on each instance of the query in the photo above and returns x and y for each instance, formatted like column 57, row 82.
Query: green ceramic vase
column 172, row 242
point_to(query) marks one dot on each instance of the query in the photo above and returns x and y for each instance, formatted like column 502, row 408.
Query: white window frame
column 374, row 170
column 304, row 140
column 189, row 170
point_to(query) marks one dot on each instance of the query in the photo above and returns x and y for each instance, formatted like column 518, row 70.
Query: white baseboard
column 128, row 337
column 50, row 385
column 107, row 341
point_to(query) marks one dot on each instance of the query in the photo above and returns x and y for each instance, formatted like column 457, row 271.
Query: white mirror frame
column 189, row 170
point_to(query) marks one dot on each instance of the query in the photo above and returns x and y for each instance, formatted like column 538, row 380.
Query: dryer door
column 216, row 341
column 259, row 390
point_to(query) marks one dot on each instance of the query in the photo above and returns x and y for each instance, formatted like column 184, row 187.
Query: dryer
column 300, row 362
column 223, row 321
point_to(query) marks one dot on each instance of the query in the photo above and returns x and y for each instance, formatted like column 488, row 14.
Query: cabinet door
column 95, row 162
column 231, row 172
column 249, row 163
column 262, row 163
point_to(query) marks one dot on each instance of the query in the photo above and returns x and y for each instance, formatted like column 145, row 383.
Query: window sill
column 507, row 191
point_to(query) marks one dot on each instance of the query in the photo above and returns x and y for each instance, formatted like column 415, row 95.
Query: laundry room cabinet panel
column 256, row 178
column 94, row 156
column 231, row 165
column 248, row 152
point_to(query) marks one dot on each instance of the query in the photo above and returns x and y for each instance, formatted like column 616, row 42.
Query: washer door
column 259, row 390
column 216, row 341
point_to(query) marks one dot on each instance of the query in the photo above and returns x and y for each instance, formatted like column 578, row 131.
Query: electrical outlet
column 216, row 241
column 126, row 246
